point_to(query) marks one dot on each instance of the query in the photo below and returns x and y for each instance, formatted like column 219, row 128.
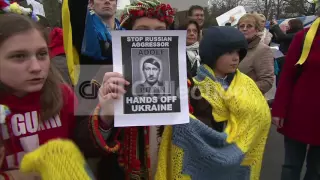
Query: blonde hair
column 262, row 17
column 256, row 20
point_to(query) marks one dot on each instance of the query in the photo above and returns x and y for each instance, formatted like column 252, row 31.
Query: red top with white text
column 27, row 132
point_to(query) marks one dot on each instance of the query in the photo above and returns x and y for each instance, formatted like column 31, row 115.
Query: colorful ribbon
column 311, row 34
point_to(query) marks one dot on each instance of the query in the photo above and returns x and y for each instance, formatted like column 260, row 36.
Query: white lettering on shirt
column 29, row 143
column 11, row 161
column 27, row 123
column 32, row 123
column 18, row 125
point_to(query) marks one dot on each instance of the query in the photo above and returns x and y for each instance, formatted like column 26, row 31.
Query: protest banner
column 37, row 7
column 276, row 51
column 236, row 13
column 154, row 62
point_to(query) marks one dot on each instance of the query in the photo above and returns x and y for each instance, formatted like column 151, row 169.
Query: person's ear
column 90, row 4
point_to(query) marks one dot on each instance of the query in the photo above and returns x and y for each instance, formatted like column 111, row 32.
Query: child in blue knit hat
column 236, row 150
column 222, row 50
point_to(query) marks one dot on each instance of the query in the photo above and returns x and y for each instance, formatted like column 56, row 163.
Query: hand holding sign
column 274, row 22
column 232, row 19
column 231, row 16
column 154, row 62
column 112, row 88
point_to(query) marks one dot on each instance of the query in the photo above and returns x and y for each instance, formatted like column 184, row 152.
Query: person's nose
column 34, row 65
column 152, row 73
column 107, row 2
column 236, row 57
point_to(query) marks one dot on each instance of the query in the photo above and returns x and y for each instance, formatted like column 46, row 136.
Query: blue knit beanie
column 220, row 40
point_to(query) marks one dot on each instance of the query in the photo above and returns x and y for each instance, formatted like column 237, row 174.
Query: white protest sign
column 37, row 7
column 121, row 4
column 276, row 51
column 236, row 13
column 154, row 62
column 312, row 1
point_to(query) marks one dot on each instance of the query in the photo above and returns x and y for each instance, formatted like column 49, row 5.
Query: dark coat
column 191, row 69
column 283, row 38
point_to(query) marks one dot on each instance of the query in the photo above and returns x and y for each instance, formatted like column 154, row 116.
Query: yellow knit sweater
column 57, row 160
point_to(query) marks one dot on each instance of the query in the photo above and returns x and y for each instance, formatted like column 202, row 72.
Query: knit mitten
column 57, row 160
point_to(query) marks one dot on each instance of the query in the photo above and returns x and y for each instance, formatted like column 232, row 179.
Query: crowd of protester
column 38, row 74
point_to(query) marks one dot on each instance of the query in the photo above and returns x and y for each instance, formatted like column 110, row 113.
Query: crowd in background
column 37, row 80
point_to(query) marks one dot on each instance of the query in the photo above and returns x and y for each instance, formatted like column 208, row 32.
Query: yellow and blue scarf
column 95, row 32
column 195, row 151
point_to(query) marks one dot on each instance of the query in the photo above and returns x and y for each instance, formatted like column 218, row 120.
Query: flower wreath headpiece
column 148, row 8
column 7, row 7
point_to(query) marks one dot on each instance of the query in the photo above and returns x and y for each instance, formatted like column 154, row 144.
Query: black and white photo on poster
column 146, row 61
column 150, row 71
column 155, row 65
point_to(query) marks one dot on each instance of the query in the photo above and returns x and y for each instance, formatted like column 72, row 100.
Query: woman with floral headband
column 132, row 151
column 137, row 160
column 136, row 17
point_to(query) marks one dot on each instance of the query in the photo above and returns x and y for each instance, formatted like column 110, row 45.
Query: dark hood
column 220, row 40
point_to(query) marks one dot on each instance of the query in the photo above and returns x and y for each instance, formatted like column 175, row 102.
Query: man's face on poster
column 151, row 73
column 104, row 8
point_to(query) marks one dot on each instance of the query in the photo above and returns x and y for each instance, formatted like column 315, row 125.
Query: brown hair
column 255, row 17
column 51, row 96
column 295, row 25
column 193, row 8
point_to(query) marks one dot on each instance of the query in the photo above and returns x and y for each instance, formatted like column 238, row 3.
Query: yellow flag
column 71, row 52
